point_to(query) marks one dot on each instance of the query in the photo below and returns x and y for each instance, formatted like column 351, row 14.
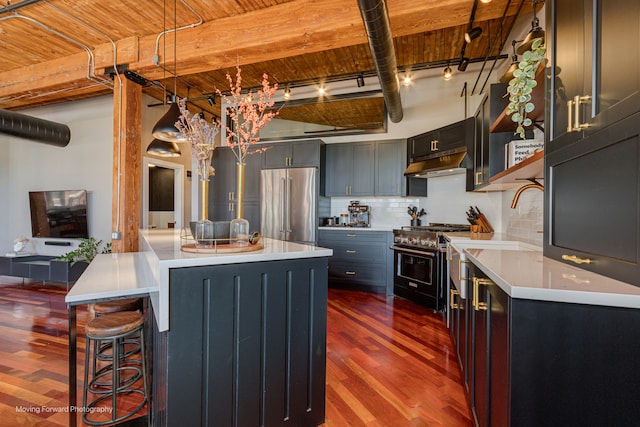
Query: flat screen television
column 61, row 214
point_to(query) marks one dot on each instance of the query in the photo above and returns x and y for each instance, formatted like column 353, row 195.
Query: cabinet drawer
column 352, row 234
column 357, row 273
column 359, row 252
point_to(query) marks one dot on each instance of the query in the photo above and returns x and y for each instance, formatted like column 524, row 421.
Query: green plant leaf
column 526, row 122
column 529, row 107
column 516, row 117
column 536, row 43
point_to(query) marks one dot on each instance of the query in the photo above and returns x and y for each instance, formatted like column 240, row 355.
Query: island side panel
column 246, row 345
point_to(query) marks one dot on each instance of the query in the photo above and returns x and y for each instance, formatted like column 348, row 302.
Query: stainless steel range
column 420, row 264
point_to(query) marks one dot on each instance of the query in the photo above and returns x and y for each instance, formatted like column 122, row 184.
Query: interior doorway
column 159, row 209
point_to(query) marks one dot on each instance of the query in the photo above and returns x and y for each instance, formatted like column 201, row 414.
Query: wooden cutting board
column 222, row 249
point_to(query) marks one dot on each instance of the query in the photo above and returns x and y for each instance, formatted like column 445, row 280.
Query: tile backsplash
column 448, row 201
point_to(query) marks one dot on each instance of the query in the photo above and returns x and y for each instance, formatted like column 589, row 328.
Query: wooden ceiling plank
column 287, row 29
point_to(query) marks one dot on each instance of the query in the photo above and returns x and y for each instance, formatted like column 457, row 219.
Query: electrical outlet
column 116, row 235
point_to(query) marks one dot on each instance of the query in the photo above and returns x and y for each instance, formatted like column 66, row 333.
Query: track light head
column 464, row 62
column 287, row 92
column 211, row 99
column 472, row 34
column 360, row 80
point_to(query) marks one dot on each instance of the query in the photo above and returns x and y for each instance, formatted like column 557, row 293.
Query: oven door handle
column 412, row 251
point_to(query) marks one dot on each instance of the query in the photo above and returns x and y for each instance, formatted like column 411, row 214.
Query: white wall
column 83, row 164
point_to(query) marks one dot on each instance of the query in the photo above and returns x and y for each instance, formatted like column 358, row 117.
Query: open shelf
column 517, row 175
column 504, row 123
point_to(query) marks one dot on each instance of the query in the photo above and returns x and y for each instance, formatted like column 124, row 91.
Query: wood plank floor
column 390, row 363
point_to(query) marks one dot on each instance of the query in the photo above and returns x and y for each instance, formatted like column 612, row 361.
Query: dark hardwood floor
column 390, row 363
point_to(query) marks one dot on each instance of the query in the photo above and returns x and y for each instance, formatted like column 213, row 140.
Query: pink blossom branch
column 247, row 115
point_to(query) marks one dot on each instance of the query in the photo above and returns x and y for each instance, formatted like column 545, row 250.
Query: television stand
column 42, row 267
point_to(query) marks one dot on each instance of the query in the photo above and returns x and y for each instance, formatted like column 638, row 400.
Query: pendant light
column 447, row 73
column 165, row 129
column 536, row 32
column 163, row 148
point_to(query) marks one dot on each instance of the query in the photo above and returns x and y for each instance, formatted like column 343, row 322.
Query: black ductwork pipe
column 376, row 21
column 34, row 129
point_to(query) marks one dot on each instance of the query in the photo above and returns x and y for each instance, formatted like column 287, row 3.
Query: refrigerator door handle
column 290, row 183
column 283, row 224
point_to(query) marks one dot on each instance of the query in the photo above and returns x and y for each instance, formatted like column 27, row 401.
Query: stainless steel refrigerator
column 289, row 204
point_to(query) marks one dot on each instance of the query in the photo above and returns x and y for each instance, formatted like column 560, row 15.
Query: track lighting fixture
column 407, row 80
column 161, row 148
column 508, row 75
column 360, row 80
column 447, row 73
column 472, row 34
column 485, row 1
column 287, row 92
column 211, row 99
column 536, row 32
column 321, row 90
column 464, row 62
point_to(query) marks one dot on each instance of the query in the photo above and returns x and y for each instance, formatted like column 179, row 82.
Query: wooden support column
column 127, row 106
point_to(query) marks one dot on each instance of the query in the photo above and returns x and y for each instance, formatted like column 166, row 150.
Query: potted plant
column 69, row 267
column 522, row 84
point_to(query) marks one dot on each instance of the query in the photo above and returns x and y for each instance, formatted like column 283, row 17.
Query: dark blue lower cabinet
column 246, row 346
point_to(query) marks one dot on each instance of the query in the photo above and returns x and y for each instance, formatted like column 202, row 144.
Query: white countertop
column 527, row 274
column 113, row 276
column 147, row 272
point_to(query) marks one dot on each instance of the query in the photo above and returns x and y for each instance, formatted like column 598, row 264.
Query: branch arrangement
column 248, row 112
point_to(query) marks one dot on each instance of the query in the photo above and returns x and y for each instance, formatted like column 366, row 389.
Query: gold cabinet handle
column 350, row 251
column 434, row 145
column 569, row 116
column 577, row 103
column 576, row 259
column 350, row 273
column 351, row 235
column 477, row 181
column 452, row 296
column 477, row 304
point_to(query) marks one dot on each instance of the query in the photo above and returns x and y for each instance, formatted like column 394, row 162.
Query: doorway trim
column 178, row 189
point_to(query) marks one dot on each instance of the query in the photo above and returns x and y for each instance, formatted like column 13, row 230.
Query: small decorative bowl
column 210, row 232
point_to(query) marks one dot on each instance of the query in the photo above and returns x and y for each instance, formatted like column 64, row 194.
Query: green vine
column 86, row 251
column 522, row 84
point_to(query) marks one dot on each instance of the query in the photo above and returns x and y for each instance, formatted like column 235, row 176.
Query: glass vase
column 239, row 232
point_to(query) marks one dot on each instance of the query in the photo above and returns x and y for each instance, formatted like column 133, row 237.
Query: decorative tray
column 224, row 248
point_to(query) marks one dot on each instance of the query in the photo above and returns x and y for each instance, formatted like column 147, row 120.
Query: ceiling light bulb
column 321, row 90
column 485, row 1
column 360, row 80
column 407, row 80
column 287, row 93
column 447, row 73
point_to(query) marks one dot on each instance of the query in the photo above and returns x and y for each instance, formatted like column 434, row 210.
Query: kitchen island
column 238, row 338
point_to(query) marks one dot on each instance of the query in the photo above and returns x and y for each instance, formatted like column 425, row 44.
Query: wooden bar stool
column 124, row 372
column 129, row 346
column 115, row 306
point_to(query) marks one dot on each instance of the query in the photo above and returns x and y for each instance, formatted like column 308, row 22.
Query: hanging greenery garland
column 522, row 84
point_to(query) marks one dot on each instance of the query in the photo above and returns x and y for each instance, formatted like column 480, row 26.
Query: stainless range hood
column 438, row 164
